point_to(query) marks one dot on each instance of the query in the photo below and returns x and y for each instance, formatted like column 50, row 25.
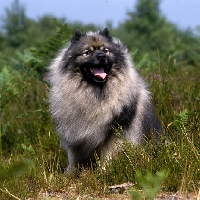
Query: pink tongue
column 99, row 72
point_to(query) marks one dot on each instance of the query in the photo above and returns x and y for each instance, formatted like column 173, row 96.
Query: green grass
column 27, row 132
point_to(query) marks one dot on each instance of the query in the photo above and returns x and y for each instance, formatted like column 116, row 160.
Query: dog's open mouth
column 99, row 73
column 96, row 73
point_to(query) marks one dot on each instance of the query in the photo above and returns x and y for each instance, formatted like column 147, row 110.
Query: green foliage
column 5, row 81
column 7, row 86
column 150, row 184
column 37, row 59
column 18, row 100
column 50, row 48
column 181, row 118
column 144, row 62
column 8, row 90
column 16, row 169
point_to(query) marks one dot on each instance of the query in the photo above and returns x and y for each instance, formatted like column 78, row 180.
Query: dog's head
column 94, row 54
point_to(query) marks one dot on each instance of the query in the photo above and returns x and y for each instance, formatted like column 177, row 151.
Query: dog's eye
column 105, row 50
column 87, row 52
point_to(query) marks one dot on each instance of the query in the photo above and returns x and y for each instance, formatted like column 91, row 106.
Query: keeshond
column 94, row 90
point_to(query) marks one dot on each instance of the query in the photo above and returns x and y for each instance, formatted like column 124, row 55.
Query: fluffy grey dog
column 94, row 90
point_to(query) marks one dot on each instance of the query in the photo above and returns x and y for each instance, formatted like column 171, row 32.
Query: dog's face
column 93, row 55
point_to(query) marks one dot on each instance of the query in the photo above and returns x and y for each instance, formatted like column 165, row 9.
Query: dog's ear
column 77, row 35
column 105, row 33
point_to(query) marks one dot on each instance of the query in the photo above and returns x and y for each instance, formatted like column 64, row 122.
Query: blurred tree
column 15, row 24
column 146, row 29
column 18, row 29
column 40, row 30
column 2, row 41
column 188, row 44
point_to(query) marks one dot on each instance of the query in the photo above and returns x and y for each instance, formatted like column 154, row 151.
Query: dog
column 94, row 89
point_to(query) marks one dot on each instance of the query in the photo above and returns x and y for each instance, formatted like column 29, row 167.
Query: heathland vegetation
column 31, row 159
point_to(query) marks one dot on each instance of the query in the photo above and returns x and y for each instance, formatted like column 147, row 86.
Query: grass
column 30, row 134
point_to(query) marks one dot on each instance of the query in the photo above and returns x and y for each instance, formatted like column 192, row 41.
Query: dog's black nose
column 101, row 56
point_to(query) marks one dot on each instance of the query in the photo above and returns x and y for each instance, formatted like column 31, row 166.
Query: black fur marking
column 119, row 58
column 77, row 35
column 105, row 33
column 64, row 67
column 151, row 123
column 66, row 61
column 124, row 118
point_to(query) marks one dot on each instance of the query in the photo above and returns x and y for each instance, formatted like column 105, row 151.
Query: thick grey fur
column 86, row 114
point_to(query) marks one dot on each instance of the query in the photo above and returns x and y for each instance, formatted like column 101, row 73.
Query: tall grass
column 30, row 133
